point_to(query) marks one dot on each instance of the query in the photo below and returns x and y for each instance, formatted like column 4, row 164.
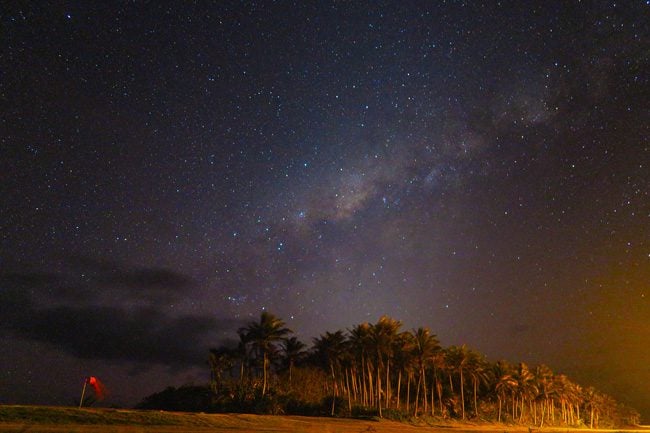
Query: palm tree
column 330, row 348
column 425, row 347
column 220, row 361
column 594, row 401
column 360, row 341
column 458, row 358
column 560, row 382
column 242, row 353
column 262, row 335
column 526, row 387
column 569, row 395
column 403, row 361
column 505, row 384
column 543, row 377
column 294, row 351
column 478, row 373
column 439, row 366
column 384, row 333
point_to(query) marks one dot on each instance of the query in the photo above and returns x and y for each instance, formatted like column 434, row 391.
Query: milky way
column 170, row 170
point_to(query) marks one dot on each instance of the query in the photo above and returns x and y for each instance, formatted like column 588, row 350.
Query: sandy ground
column 294, row 424
column 293, row 427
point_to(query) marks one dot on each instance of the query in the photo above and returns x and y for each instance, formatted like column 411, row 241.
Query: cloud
column 131, row 282
column 66, row 310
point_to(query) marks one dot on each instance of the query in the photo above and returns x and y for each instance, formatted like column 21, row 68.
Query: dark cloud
column 135, row 282
column 50, row 308
column 154, row 279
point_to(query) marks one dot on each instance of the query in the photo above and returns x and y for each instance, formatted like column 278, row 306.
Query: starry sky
column 171, row 169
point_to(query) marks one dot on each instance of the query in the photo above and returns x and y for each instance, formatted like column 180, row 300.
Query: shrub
column 363, row 412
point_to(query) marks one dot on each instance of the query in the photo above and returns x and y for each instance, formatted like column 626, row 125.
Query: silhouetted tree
column 262, row 335
column 293, row 351
column 330, row 348
column 371, row 364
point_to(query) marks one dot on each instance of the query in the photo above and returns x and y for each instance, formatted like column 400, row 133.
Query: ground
column 39, row 419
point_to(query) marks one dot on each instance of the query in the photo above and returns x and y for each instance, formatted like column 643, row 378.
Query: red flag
column 100, row 389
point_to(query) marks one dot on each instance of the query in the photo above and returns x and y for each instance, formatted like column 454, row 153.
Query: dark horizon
column 171, row 170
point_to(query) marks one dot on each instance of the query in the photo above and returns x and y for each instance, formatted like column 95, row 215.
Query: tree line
column 381, row 370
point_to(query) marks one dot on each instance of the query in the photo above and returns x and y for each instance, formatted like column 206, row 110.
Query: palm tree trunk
column 371, row 387
column 499, row 418
column 264, row 368
column 363, row 396
column 417, row 395
column 424, row 388
column 552, row 410
column 347, row 371
column 379, row 391
column 462, row 392
column 475, row 381
column 434, row 386
column 353, row 382
column 388, row 392
column 408, row 392
column 290, row 372
column 433, row 403
column 333, row 387
column 399, row 386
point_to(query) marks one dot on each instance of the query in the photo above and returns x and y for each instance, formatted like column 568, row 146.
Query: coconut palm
column 439, row 367
column 506, row 384
column 330, row 349
column 262, row 335
column 293, row 351
column 361, row 345
column 526, row 387
column 478, row 372
column 458, row 358
column 596, row 403
column 370, row 366
column 220, row 360
column 403, row 361
column 543, row 377
column 425, row 347
column 384, row 333
column 569, row 395
column 243, row 354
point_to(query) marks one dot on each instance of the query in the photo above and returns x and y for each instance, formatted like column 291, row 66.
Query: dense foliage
column 380, row 370
column 186, row 398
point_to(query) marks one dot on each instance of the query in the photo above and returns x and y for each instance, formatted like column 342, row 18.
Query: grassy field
column 37, row 419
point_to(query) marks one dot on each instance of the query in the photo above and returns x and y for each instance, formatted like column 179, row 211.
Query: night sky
column 169, row 170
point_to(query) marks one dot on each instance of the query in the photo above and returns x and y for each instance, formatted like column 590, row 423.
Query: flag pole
column 83, row 392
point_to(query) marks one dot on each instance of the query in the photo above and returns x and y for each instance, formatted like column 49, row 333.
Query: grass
column 36, row 419
column 68, row 415
column 46, row 419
